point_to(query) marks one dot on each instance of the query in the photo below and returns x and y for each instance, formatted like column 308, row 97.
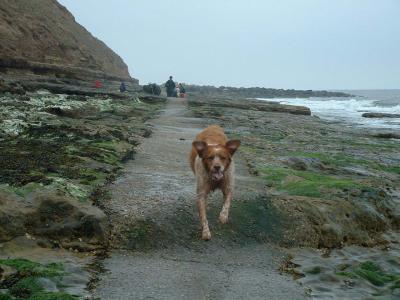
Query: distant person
column 176, row 92
column 170, row 87
column 98, row 84
column 182, row 91
column 122, row 87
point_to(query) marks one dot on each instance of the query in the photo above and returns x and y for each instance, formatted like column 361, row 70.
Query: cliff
column 42, row 44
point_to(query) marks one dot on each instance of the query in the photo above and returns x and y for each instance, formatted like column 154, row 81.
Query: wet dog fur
column 211, row 160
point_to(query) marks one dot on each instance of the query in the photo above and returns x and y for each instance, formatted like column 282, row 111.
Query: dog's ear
column 200, row 147
column 232, row 146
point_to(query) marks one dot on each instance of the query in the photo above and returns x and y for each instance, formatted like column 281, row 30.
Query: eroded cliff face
column 40, row 39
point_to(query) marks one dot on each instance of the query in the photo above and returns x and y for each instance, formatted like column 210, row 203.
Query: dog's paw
column 223, row 218
column 206, row 235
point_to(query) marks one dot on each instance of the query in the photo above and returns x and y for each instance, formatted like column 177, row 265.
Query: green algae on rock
column 350, row 273
column 333, row 184
column 31, row 280
column 63, row 148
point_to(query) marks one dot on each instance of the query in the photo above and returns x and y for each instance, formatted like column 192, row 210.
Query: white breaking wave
column 346, row 110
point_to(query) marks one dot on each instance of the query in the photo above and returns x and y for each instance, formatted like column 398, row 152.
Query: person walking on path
column 176, row 92
column 182, row 91
column 170, row 87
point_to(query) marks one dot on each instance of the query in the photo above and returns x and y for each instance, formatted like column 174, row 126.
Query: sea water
column 349, row 110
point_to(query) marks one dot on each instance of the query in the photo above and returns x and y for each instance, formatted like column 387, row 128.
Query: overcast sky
column 303, row 44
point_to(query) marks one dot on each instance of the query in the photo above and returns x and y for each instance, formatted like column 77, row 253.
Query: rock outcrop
column 380, row 115
column 386, row 135
column 41, row 45
column 57, row 154
column 327, row 185
column 252, row 104
column 257, row 92
column 53, row 216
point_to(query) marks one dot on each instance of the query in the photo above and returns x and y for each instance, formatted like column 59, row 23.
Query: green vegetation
column 72, row 146
column 333, row 159
column 6, row 297
column 394, row 169
column 52, row 296
column 251, row 149
column 33, row 268
column 91, row 176
column 25, row 283
column 374, row 274
column 343, row 160
column 366, row 143
column 26, row 287
column 305, row 183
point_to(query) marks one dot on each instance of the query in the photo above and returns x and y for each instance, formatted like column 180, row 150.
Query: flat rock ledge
column 386, row 135
column 380, row 115
column 252, row 104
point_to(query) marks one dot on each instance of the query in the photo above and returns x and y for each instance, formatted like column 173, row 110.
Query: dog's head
column 216, row 158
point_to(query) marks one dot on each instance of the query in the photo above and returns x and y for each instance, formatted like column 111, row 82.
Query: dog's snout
column 217, row 168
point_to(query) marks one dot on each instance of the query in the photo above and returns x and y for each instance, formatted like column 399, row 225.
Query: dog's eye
column 210, row 158
column 223, row 158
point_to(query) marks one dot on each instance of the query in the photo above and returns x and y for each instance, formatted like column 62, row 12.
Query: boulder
column 12, row 218
column 53, row 216
column 152, row 89
column 62, row 218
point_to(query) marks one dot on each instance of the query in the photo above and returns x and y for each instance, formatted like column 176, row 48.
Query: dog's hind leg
column 201, row 205
column 224, row 214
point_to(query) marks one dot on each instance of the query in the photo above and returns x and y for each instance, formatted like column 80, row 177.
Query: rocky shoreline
column 66, row 134
column 57, row 152
column 229, row 92
column 328, row 186
column 249, row 104
column 331, row 187
column 309, row 164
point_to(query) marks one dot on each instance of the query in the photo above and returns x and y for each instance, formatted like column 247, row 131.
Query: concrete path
column 154, row 219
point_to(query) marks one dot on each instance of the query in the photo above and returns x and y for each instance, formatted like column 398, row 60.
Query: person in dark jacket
column 122, row 87
column 170, row 87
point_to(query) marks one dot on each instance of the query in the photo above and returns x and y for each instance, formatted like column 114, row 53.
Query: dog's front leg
column 201, row 205
column 224, row 214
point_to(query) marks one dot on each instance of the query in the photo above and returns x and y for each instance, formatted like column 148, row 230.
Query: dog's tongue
column 218, row 175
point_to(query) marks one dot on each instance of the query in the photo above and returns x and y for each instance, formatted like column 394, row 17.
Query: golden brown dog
column 212, row 163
